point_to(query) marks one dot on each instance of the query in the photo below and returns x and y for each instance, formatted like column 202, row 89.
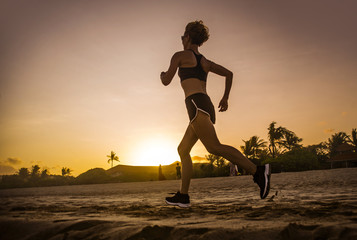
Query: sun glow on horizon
column 155, row 151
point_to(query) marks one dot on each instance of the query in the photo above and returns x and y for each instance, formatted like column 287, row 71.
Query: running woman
column 193, row 68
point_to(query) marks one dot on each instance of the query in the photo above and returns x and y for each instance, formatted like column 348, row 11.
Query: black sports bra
column 193, row 72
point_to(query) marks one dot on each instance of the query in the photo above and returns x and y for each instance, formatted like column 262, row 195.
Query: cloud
column 344, row 114
column 14, row 161
column 5, row 170
column 6, row 167
column 329, row 130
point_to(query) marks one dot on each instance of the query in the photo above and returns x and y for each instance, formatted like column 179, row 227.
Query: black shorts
column 200, row 102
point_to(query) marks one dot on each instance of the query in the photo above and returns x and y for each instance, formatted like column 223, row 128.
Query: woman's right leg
column 206, row 132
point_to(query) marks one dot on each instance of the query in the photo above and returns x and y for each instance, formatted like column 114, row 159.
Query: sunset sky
column 81, row 78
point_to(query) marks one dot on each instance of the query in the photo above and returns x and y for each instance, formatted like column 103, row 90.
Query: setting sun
column 153, row 152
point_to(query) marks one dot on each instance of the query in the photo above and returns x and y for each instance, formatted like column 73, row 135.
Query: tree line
column 286, row 153
column 40, row 178
column 283, row 150
column 35, row 177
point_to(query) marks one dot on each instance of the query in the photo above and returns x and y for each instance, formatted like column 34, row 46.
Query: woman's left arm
column 222, row 71
column 166, row 77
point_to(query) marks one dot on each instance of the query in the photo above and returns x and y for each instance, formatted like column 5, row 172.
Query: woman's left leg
column 184, row 149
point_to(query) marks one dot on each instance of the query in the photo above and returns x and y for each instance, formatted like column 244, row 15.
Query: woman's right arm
column 166, row 77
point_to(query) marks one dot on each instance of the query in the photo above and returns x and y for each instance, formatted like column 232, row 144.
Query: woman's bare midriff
column 193, row 85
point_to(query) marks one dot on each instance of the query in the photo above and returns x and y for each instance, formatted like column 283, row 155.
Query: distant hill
column 126, row 173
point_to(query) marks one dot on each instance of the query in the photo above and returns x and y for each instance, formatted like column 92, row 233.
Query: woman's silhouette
column 193, row 69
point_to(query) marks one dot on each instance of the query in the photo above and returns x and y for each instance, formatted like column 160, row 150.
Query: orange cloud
column 14, row 161
column 329, row 130
column 4, row 170
column 6, row 166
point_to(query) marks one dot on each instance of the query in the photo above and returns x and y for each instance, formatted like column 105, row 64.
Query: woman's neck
column 193, row 47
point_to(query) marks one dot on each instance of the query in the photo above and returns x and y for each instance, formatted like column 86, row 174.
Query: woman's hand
column 163, row 80
column 223, row 105
column 162, row 75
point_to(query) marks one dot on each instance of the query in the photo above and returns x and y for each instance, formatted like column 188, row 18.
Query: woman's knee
column 182, row 151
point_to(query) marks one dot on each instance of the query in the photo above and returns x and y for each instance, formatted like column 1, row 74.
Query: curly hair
column 197, row 32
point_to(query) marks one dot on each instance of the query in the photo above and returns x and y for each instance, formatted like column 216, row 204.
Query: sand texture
column 302, row 205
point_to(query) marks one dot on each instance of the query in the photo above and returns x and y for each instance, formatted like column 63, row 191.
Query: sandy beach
column 302, row 205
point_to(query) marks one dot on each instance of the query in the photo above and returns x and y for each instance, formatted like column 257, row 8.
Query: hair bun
column 197, row 31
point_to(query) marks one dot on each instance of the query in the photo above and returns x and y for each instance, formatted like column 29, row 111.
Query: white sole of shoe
column 183, row 205
column 266, row 174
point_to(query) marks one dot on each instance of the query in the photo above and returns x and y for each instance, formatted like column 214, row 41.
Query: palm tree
column 35, row 171
column 215, row 160
column 336, row 140
column 253, row 147
column 354, row 138
column 274, row 135
column 66, row 171
column 247, row 149
column 112, row 157
column 44, row 173
column 24, row 172
column 289, row 140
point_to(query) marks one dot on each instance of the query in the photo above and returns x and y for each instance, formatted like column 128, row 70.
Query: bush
column 202, row 170
column 9, row 181
column 17, row 181
column 298, row 159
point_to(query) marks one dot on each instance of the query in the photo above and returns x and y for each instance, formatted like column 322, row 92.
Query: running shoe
column 262, row 178
column 181, row 200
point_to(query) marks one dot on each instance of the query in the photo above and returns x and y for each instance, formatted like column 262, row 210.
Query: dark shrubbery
column 202, row 170
column 299, row 159
column 18, row 181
